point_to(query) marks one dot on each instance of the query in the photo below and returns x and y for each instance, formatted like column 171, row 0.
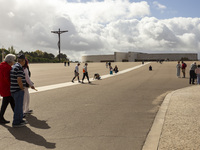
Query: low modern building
column 137, row 56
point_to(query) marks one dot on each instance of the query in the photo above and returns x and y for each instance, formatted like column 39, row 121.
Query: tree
column 37, row 56
column 63, row 57
column 21, row 52
column 39, row 53
column 11, row 50
column 5, row 53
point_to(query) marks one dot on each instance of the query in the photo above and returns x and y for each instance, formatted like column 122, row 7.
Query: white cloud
column 11, row 14
column 159, row 6
column 94, row 27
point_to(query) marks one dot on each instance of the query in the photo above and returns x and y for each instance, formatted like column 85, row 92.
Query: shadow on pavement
column 92, row 84
column 34, row 122
column 25, row 134
column 85, row 83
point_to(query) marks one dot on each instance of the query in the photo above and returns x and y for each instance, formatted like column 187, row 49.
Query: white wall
column 173, row 57
column 120, row 56
column 97, row 58
column 132, row 56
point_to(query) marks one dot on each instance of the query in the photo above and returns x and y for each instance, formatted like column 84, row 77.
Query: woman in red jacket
column 5, row 68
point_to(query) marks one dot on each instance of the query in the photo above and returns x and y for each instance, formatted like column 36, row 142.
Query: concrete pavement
column 89, row 121
column 177, row 124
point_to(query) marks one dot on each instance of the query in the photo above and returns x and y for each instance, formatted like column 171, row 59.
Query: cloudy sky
column 101, row 26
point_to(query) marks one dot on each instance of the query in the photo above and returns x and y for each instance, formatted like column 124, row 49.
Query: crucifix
column 59, row 32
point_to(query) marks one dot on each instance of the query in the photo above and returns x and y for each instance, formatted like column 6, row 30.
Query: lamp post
column 59, row 32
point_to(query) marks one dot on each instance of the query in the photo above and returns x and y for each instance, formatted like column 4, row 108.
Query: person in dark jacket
column 5, row 68
column 184, row 65
column 192, row 72
column 116, row 69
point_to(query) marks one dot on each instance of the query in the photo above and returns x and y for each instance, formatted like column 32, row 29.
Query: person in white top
column 76, row 73
column 29, row 83
column 197, row 71
column 85, row 73
column 178, row 67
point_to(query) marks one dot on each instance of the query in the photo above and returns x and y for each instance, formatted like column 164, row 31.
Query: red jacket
column 5, row 79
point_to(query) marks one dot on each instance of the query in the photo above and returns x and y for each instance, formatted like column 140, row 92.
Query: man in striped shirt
column 17, row 84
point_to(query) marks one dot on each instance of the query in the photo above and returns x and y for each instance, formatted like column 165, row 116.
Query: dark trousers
column 18, row 111
column 5, row 102
column 85, row 74
column 76, row 74
column 192, row 76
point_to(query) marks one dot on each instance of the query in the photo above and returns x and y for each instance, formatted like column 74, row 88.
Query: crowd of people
column 194, row 71
column 14, row 83
column 96, row 75
column 116, row 70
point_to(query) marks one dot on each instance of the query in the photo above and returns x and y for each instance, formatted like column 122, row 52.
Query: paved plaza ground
column 111, row 114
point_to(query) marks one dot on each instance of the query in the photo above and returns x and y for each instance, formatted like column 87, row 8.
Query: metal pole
column 59, row 43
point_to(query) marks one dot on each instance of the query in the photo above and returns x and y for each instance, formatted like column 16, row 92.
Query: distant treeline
column 37, row 56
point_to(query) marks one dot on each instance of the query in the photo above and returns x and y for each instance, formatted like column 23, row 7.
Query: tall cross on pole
column 59, row 32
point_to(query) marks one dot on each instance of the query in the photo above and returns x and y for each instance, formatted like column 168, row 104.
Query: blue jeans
column 198, row 78
column 18, row 111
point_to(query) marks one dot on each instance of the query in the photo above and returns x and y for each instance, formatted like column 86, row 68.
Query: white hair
column 10, row 58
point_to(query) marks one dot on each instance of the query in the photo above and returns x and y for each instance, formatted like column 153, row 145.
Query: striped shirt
column 15, row 72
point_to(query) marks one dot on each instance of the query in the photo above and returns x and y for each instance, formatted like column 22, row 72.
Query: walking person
column 5, row 68
column 109, row 64
column 116, row 69
column 183, row 67
column 192, row 72
column 106, row 64
column 29, row 83
column 85, row 73
column 178, row 67
column 111, row 70
column 17, row 84
column 76, row 73
column 197, row 71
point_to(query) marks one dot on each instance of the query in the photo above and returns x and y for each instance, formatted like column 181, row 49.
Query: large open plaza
column 114, row 113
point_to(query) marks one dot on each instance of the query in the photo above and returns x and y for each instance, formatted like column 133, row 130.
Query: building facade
column 137, row 56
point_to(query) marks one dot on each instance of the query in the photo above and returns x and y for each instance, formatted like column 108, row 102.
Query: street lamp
column 59, row 32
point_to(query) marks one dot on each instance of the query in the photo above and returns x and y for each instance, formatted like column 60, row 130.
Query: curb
column 153, row 137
